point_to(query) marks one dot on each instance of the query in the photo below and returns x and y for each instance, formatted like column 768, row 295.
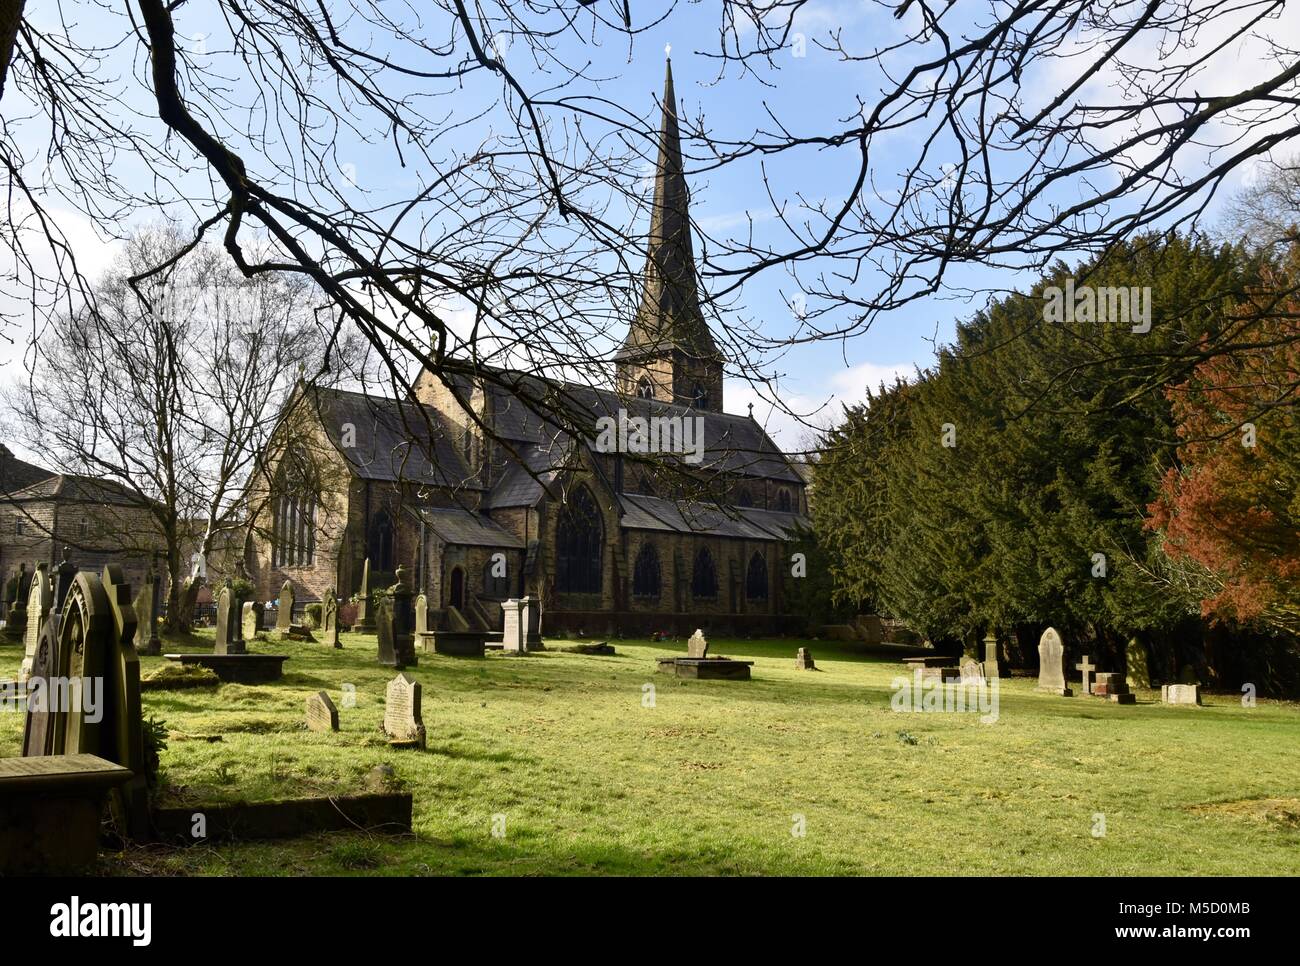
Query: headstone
column 393, row 622
column 697, row 646
column 125, row 731
column 1086, row 668
column 146, row 616
column 402, row 720
column 40, row 600
column 1181, row 694
column 421, row 615
column 85, row 636
column 803, row 660
column 1051, row 664
column 365, row 617
column 514, row 633
column 971, row 671
column 329, row 615
column 251, row 623
column 321, row 713
column 17, row 590
column 40, row 723
column 530, row 615
column 230, row 632
column 1112, row 686
column 991, row 656
column 1137, row 663
column 284, row 610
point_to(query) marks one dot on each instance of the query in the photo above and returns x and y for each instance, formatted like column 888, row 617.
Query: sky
column 811, row 90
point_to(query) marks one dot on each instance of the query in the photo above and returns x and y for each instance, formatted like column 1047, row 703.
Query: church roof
column 393, row 439
column 669, row 315
column 683, row 516
column 459, row 526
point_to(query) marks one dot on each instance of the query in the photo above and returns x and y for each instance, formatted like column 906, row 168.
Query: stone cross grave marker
column 402, row 719
column 321, row 713
column 697, row 646
column 284, row 609
column 329, row 615
column 1051, row 666
column 1087, row 668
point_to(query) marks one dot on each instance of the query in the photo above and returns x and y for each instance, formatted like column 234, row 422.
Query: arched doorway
column 458, row 588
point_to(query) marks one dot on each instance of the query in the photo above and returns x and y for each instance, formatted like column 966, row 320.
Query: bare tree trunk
column 11, row 15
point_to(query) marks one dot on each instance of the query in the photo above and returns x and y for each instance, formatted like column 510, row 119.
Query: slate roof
column 682, row 516
column 460, row 526
column 16, row 474
column 72, row 488
column 393, row 439
column 518, row 487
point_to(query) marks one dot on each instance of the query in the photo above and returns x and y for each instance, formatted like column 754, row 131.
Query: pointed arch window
column 744, row 497
column 382, row 543
column 756, row 578
column 783, row 501
column 293, row 513
column 579, row 545
column 645, row 388
column 704, row 576
column 645, row 573
column 699, row 396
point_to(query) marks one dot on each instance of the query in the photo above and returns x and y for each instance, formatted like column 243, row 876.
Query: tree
column 1034, row 130
column 173, row 396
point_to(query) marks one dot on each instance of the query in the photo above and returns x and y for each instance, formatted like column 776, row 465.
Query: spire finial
column 668, row 51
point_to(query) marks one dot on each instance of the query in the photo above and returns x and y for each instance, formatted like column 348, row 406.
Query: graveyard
column 558, row 762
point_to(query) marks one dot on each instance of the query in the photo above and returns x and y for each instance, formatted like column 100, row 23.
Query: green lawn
column 710, row 779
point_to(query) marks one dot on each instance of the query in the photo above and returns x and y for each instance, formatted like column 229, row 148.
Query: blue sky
column 811, row 94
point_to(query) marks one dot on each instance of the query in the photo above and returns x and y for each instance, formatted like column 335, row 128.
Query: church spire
column 669, row 317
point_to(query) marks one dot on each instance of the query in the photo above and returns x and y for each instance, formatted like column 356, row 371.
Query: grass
column 714, row 777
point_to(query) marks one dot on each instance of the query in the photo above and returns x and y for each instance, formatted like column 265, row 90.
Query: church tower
column 669, row 353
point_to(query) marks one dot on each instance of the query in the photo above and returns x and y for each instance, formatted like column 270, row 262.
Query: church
column 610, row 539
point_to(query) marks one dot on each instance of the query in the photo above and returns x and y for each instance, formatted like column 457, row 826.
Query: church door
column 458, row 588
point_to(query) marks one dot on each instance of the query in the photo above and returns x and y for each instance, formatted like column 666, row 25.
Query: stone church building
column 608, row 539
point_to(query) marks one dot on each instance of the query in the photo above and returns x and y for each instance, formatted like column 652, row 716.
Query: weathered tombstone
column 530, row 616
column 321, row 713
column 251, row 622
column 1086, row 668
column 17, row 590
column 1137, row 664
column 402, row 719
column 124, row 734
column 697, row 646
column 1181, row 694
column 365, row 617
column 329, row 615
column 990, row 668
column 803, row 660
column 393, row 622
column 40, row 723
column 421, row 615
column 1051, row 664
column 514, row 638
column 284, row 609
column 971, row 671
column 40, row 600
column 85, row 636
column 230, row 633
column 146, row 616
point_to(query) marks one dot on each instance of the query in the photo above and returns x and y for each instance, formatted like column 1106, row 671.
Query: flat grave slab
column 931, row 660
column 705, row 668
column 237, row 668
column 456, row 643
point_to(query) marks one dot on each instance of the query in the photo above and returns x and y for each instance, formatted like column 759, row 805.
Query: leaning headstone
column 1181, row 694
column 230, row 633
column 402, row 720
column 1051, row 664
column 321, row 713
column 40, row 599
column 284, row 610
column 329, row 613
column 697, row 646
column 365, row 615
column 1137, row 663
column 803, row 660
column 251, row 623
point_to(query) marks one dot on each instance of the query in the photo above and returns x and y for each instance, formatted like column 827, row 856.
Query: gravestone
column 321, row 713
column 230, row 633
column 1113, row 687
column 123, row 741
column 1137, row 663
column 530, row 616
column 697, row 646
column 146, row 618
column 514, row 636
column 991, row 669
column 699, row 664
column 971, row 671
column 40, row 599
column 421, row 615
column 251, row 623
column 393, row 623
column 1051, row 664
column 1086, row 668
column 803, row 660
column 1181, row 694
column 402, row 719
column 365, row 617
column 17, row 591
column 85, row 636
column 284, row 610
column 329, row 616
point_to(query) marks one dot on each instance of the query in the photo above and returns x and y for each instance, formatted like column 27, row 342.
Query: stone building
column 608, row 537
